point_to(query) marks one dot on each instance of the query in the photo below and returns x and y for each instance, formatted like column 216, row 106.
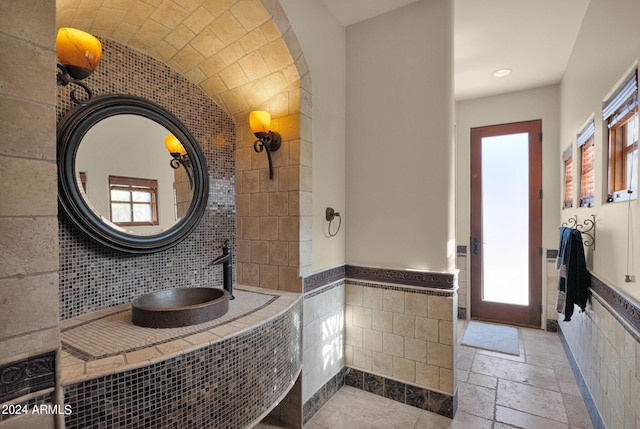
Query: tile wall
column 323, row 337
column 604, row 341
column 28, row 213
column 551, row 292
column 403, row 337
column 463, row 272
column 93, row 277
column 401, row 333
column 274, row 215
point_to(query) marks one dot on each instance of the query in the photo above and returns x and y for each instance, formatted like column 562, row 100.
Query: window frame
column 618, row 110
column 568, row 179
column 618, row 151
column 130, row 184
column 586, row 142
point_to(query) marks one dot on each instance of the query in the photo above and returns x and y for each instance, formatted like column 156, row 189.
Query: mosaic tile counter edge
column 231, row 382
column 86, row 354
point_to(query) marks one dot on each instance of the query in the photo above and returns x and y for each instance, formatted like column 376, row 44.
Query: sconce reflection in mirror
column 179, row 154
column 79, row 53
column 260, row 122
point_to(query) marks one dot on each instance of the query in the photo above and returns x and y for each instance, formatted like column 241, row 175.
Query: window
column 567, row 159
column 133, row 201
column 621, row 114
column 586, row 144
column 83, row 180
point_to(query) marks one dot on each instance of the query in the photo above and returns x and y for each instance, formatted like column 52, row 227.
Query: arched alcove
column 245, row 56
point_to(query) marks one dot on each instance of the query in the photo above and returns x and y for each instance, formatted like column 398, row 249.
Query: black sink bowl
column 173, row 308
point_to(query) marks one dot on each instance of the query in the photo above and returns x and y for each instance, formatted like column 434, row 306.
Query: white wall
column 399, row 133
column 128, row 146
column 607, row 45
column 540, row 103
column 322, row 38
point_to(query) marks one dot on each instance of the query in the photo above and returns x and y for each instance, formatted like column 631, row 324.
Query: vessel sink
column 173, row 308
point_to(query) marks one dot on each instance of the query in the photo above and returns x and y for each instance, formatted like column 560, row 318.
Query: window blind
column 567, row 159
column 568, row 182
column 587, row 173
column 626, row 93
column 586, row 133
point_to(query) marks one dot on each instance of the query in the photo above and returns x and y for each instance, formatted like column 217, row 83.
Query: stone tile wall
column 463, row 290
column 323, row 337
column 551, row 291
column 28, row 213
column 401, row 333
column 274, row 216
column 604, row 341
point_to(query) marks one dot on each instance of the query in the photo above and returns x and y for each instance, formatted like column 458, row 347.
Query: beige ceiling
column 534, row 38
column 241, row 52
column 244, row 55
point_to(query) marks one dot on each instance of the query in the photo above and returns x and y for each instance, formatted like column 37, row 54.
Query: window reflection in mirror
column 133, row 201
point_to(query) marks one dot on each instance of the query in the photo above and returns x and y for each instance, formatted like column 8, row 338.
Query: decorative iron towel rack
column 587, row 228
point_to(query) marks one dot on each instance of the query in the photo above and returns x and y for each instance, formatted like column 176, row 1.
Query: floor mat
column 487, row 336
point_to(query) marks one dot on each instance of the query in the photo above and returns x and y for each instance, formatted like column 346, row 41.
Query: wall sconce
column 79, row 53
column 179, row 154
column 260, row 122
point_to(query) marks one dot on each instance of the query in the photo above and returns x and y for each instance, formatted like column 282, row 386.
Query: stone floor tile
column 516, row 371
column 577, row 412
column 465, row 358
column 495, row 390
column 568, row 384
column 526, row 421
column 540, row 361
column 549, row 348
column 476, row 400
column 463, row 421
column 499, row 425
column 519, row 358
column 532, row 400
column 483, row 380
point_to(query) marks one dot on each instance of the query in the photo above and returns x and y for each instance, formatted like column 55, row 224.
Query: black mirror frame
column 71, row 130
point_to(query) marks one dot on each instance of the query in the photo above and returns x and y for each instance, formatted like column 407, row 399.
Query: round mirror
column 131, row 176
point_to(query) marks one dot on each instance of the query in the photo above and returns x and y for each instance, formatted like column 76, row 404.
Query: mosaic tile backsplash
column 228, row 384
column 93, row 277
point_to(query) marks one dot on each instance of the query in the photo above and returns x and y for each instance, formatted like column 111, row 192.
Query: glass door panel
column 505, row 218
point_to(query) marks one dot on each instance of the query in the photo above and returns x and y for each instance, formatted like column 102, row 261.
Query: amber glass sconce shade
column 179, row 154
column 269, row 141
column 79, row 53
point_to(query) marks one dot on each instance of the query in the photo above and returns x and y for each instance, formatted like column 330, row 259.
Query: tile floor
column 534, row 390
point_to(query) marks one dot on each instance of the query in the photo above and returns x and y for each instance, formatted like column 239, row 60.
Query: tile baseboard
column 425, row 399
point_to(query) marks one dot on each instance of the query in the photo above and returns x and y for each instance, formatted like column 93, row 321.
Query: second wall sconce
column 179, row 155
column 79, row 53
column 260, row 123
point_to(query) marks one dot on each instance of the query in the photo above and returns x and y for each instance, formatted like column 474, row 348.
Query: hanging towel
column 573, row 277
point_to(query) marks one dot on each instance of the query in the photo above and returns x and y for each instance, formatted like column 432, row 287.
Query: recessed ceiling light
column 501, row 73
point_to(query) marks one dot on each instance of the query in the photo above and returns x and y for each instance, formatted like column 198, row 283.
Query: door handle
column 475, row 246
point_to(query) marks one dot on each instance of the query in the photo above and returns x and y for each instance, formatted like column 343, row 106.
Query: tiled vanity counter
column 227, row 373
